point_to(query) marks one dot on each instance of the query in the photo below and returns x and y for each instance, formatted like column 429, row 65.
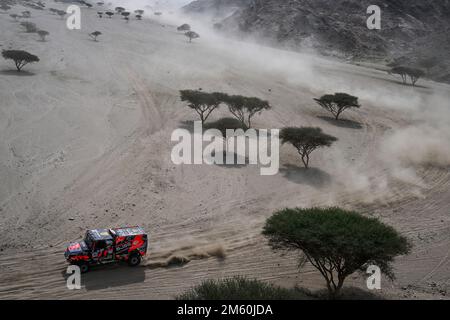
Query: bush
column 240, row 288
column 95, row 34
column 336, row 242
column 20, row 58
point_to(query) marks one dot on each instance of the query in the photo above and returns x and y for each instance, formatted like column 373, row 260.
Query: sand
column 85, row 143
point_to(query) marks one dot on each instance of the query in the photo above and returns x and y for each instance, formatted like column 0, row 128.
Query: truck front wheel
column 84, row 267
column 134, row 259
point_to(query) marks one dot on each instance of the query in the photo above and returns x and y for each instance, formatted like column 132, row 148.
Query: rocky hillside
column 216, row 8
column 412, row 30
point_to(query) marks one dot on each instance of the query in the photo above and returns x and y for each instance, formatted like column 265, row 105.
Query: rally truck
column 104, row 246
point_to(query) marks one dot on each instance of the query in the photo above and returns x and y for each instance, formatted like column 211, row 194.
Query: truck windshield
column 88, row 241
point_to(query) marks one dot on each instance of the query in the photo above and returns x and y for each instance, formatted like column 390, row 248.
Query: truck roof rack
column 127, row 231
column 100, row 234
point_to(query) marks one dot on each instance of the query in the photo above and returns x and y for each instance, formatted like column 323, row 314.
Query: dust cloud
column 183, row 255
column 421, row 141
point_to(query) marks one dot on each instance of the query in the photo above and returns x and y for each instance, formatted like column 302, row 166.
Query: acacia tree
column 139, row 12
column 119, row 10
column 192, row 35
column 336, row 242
column 405, row 72
column 94, row 35
column 400, row 71
column 415, row 75
column 202, row 102
column 109, row 14
column 21, row 58
column 184, row 27
column 306, row 140
column 15, row 16
column 338, row 103
column 139, row 17
column 244, row 108
column 100, row 14
column 43, row 34
column 126, row 15
column 225, row 124
column 29, row 27
column 61, row 13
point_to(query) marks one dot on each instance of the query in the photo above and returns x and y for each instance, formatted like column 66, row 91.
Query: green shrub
column 241, row 288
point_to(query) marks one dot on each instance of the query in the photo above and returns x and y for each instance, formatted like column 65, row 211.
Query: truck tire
column 134, row 260
column 84, row 267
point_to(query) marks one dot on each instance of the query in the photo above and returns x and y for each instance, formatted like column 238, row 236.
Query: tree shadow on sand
column 313, row 177
column 234, row 165
column 187, row 125
column 112, row 275
column 399, row 82
column 16, row 73
column 342, row 123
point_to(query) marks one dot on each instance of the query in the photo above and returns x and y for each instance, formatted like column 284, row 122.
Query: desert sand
column 85, row 143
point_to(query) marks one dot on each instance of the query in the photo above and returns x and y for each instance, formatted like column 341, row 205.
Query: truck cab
column 103, row 246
